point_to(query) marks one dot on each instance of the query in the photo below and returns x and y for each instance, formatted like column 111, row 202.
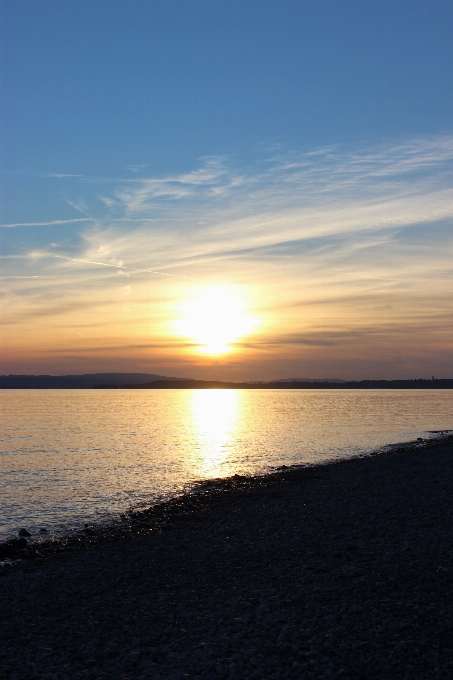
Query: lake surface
column 74, row 456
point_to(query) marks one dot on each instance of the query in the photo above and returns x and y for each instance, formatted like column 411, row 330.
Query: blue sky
column 243, row 143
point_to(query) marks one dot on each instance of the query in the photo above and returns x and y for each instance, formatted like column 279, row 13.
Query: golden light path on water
column 74, row 456
column 215, row 418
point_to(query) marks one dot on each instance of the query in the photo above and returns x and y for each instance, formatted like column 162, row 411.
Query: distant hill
column 86, row 381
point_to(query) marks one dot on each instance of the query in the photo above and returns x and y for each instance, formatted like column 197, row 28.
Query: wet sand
column 336, row 571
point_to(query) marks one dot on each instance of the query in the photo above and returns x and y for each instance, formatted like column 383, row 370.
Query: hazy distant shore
column 343, row 570
column 154, row 381
column 288, row 385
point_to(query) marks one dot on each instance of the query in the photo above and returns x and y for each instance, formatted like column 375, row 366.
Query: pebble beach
column 342, row 570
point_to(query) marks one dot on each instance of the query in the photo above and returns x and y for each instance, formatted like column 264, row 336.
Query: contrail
column 45, row 224
column 121, row 266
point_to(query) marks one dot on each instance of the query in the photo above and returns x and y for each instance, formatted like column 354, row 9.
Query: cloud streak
column 342, row 250
column 46, row 224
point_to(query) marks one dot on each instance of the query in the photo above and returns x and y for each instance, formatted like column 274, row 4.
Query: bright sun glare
column 214, row 318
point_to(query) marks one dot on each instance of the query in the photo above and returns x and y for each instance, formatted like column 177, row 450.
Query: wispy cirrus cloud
column 343, row 248
column 216, row 209
column 213, row 178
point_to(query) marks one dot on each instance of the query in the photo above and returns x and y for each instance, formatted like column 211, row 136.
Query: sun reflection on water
column 215, row 420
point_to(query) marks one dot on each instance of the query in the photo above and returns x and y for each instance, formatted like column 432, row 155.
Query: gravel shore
column 336, row 571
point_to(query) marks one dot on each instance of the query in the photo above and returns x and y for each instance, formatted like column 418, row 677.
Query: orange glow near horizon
column 214, row 318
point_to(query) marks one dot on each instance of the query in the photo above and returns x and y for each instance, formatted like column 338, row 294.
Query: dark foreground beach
column 337, row 571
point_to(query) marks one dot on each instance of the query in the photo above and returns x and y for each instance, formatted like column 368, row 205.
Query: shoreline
column 341, row 571
column 158, row 515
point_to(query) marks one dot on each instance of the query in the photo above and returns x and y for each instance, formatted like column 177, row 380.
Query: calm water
column 67, row 457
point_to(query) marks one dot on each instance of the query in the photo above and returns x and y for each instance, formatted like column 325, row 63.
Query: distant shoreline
column 131, row 381
column 295, row 385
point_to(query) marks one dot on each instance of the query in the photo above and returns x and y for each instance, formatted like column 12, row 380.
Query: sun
column 214, row 318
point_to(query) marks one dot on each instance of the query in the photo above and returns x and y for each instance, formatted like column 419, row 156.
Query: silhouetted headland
column 77, row 382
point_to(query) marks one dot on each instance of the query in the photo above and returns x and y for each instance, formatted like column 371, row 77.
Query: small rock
column 17, row 542
column 24, row 532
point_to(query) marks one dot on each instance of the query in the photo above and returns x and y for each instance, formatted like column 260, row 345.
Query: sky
column 227, row 189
